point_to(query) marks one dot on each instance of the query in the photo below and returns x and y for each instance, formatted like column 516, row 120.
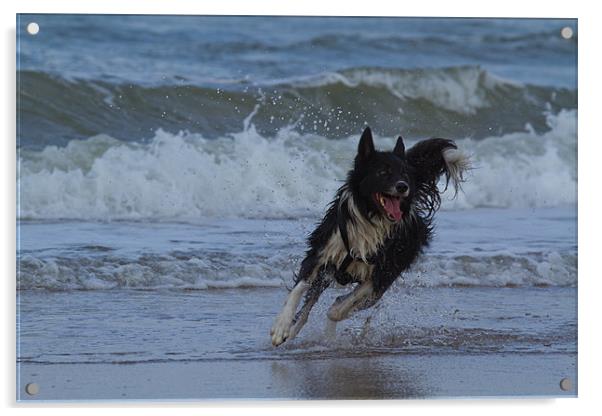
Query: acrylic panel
column 171, row 169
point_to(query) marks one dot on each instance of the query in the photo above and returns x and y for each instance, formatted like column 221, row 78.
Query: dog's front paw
column 281, row 329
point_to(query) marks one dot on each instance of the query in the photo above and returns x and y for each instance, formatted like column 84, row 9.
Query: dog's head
column 383, row 179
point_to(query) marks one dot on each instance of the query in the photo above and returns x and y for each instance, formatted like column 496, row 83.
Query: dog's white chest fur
column 365, row 239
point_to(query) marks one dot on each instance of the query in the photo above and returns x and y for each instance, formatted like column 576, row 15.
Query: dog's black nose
column 402, row 187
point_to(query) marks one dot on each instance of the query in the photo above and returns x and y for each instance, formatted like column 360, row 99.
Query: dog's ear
column 400, row 148
column 366, row 147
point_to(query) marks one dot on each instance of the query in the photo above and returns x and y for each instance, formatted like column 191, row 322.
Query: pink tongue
column 392, row 208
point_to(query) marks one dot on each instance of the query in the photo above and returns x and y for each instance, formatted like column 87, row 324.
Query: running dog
column 378, row 223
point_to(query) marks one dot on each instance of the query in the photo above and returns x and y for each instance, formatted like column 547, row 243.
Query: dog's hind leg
column 346, row 304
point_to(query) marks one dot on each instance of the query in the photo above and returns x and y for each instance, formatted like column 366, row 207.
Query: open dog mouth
column 390, row 205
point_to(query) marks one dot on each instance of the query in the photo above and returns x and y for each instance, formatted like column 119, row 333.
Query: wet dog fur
column 379, row 222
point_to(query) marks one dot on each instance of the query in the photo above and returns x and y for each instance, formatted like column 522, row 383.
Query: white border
column 589, row 205
column 458, row 8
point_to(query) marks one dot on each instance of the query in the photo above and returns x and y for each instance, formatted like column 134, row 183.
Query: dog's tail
column 432, row 159
column 457, row 163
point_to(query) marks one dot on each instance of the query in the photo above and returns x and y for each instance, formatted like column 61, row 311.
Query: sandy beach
column 374, row 376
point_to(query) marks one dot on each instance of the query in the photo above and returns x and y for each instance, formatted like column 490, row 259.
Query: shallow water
column 127, row 327
column 175, row 344
column 481, row 247
column 124, row 292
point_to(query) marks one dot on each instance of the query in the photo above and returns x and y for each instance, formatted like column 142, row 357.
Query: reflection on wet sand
column 366, row 378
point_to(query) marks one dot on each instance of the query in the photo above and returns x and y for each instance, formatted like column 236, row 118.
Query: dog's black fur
column 407, row 179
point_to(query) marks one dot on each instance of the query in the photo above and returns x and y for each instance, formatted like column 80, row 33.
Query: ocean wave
column 186, row 176
column 346, row 42
column 499, row 270
column 205, row 271
column 181, row 176
column 462, row 90
column 465, row 101
column 523, row 169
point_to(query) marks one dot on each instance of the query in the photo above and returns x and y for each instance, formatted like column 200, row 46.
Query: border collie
column 378, row 223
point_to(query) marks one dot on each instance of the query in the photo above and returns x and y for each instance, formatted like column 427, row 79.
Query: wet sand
column 391, row 376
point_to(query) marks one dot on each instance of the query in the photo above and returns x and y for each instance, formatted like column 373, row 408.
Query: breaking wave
column 186, row 176
column 204, row 271
column 462, row 101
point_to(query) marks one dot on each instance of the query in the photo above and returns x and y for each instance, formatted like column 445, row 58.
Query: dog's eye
column 383, row 172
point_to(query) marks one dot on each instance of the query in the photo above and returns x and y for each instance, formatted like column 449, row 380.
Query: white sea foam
column 185, row 176
column 550, row 269
column 181, row 176
column 149, row 272
column 523, row 169
column 161, row 272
